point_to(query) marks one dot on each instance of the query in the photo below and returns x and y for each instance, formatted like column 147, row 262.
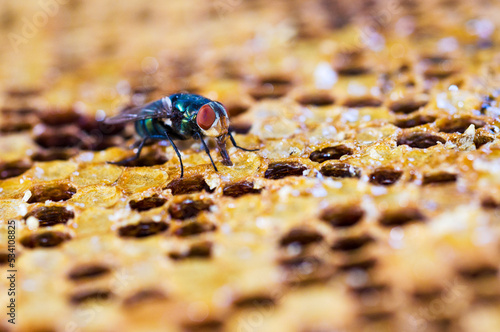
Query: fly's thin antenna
column 207, row 151
column 237, row 146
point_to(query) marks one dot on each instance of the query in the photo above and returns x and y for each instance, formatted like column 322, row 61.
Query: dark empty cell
column 4, row 258
column 239, row 189
column 362, row 102
column 89, row 271
column 90, row 295
column 407, row 106
column 268, row 91
column 281, row 170
column 340, row 171
column 306, row 270
column 194, row 228
column 188, row 185
column 441, row 177
column 385, row 176
column 276, row 80
column 342, row 216
column 53, row 154
column 481, row 140
column 401, row 217
column 351, row 243
column 99, row 143
column 143, row 229
column 144, row 295
column 254, row 301
column 90, row 125
column 414, row 121
column 188, row 208
column 53, row 191
column 301, row 262
column 23, row 92
column 12, row 169
column 197, row 250
column 300, row 236
column 271, row 87
column 236, row 109
column 144, row 89
column 350, row 63
column 51, row 215
column 460, row 125
column 316, row 99
column 427, row 295
column 240, row 128
column 489, row 203
column 19, row 111
column 59, row 117
column 330, row 153
column 152, row 157
column 370, row 290
column 15, row 125
column 420, row 140
column 209, row 325
column 478, row 272
column 65, row 137
column 377, row 315
column 45, row 240
column 147, row 203
column 363, row 264
column 439, row 67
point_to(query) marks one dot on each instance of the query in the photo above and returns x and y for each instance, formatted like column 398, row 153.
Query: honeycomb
column 372, row 203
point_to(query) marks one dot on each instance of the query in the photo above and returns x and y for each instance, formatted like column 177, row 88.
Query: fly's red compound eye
column 206, row 117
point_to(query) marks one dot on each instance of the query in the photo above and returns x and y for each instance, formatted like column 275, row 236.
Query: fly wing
column 158, row 109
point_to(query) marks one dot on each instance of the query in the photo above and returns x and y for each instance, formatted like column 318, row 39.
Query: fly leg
column 207, row 151
column 239, row 147
column 135, row 145
column 135, row 157
column 176, row 151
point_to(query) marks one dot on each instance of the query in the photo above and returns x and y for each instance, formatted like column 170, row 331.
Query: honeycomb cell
column 54, row 191
column 96, row 195
column 99, row 174
column 188, row 208
column 51, row 215
column 188, row 185
column 143, row 229
column 330, row 153
column 44, row 240
column 280, row 170
column 239, row 189
column 138, row 179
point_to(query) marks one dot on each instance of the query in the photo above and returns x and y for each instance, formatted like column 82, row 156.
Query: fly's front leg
column 239, row 147
column 207, row 151
column 135, row 157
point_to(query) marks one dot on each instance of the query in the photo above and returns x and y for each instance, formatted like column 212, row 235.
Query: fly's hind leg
column 140, row 145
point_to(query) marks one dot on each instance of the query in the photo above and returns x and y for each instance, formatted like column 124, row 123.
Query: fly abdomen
column 150, row 128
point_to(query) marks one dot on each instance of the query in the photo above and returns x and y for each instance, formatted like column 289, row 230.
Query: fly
column 179, row 116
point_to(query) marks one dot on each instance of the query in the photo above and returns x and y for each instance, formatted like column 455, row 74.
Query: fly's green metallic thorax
column 186, row 106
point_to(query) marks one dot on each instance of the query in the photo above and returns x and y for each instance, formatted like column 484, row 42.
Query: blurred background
column 179, row 44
